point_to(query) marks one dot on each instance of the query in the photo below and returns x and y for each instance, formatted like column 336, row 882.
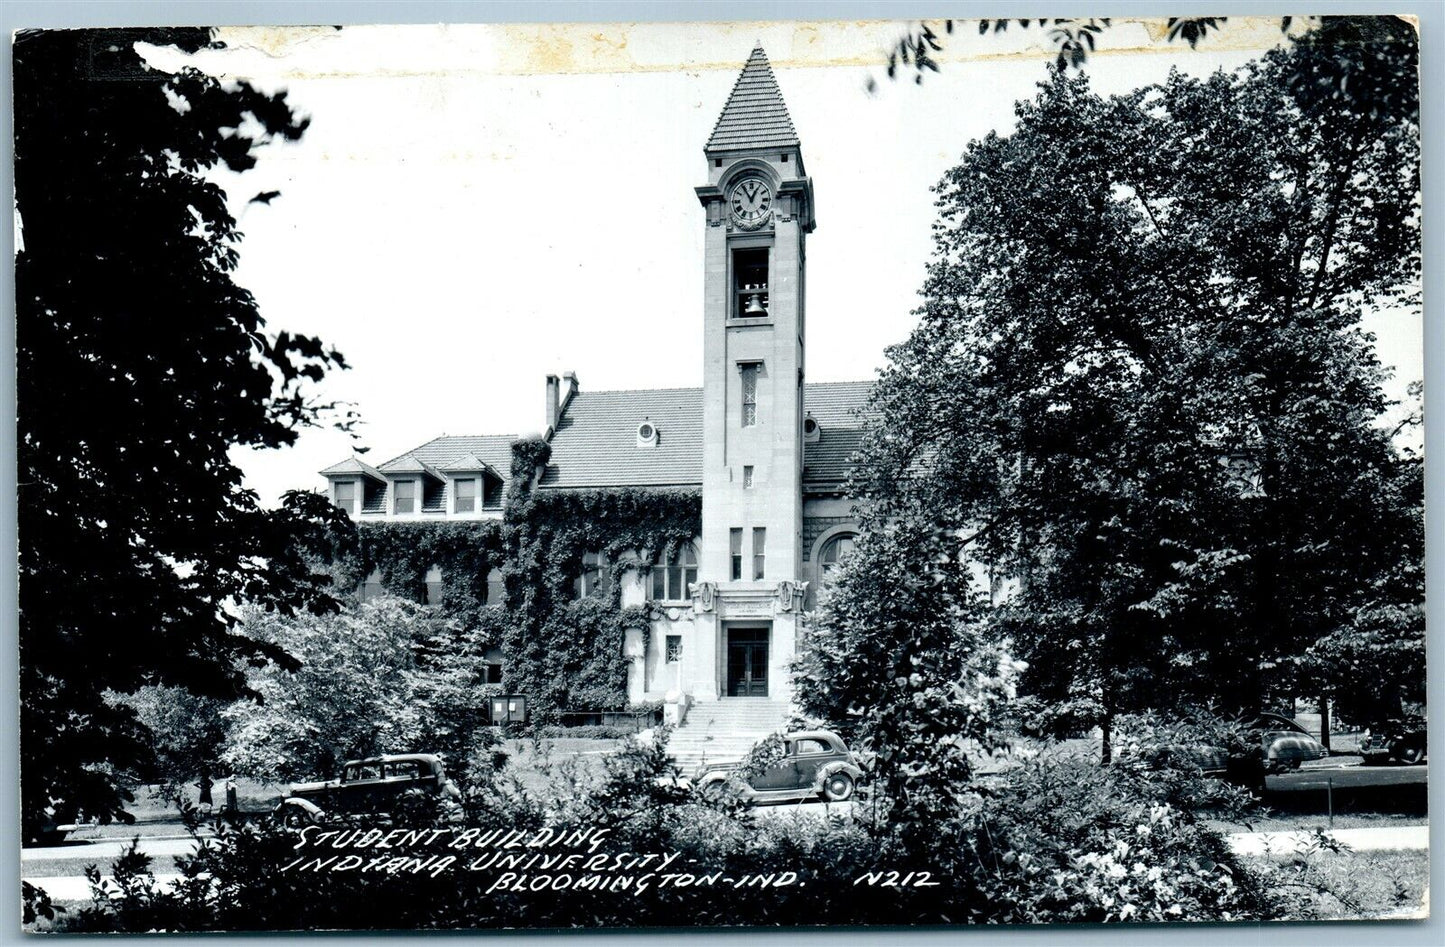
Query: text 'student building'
column 767, row 451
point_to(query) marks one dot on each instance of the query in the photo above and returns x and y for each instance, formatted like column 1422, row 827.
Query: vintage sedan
column 1272, row 744
column 815, row 764
column 380, row 785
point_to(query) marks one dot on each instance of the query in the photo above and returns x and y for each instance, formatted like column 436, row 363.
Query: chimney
column 572, row 388
column 552, row 402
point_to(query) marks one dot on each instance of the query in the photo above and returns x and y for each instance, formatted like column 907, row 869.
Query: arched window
column 434, row 585
column 593, row 580
column 671, row 579
column 833, row 550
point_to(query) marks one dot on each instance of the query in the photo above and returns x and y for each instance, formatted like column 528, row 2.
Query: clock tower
column 759, row 209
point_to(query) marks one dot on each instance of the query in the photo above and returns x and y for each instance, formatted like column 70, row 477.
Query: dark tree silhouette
column 140, row 364
column 1140, row 386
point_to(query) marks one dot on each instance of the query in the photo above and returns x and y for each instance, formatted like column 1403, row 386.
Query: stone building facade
column 767, row 451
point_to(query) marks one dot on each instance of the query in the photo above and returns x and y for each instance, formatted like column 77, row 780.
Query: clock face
column 752, row 202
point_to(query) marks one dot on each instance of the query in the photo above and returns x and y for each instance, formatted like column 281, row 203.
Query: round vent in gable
column 810, row 429
column 646, row 434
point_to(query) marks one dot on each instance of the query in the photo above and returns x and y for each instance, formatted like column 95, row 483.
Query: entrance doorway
column 747, row 662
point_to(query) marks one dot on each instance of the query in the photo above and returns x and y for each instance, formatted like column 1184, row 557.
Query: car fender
column 305, row 805
column 826, row 771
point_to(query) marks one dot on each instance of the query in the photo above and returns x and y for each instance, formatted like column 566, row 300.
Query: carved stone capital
column 704, row 596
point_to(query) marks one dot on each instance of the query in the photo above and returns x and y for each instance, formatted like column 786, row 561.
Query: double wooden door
column 748, row 662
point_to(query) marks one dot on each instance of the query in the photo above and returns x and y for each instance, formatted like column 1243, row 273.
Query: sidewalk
column 1383, row 839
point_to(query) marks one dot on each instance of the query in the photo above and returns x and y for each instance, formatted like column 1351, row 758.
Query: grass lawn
column 1350, row 885
column 1303, row 822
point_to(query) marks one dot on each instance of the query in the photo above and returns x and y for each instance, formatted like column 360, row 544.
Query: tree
column 1139, row 390
column 389, row 676
column 898, row 662
column 140, row 364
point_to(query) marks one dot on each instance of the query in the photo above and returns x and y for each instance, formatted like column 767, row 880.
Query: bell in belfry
column 755, row 305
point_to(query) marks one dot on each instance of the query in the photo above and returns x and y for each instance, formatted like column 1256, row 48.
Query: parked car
column 1401, row 739
column 815, row 764
column 46, row 828
column 379, row 785
column 1282, row 746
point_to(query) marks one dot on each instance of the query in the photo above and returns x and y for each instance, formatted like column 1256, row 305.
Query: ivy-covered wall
column 562, row 652
column 566, row 653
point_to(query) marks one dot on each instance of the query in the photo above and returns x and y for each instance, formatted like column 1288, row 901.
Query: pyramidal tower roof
column 755, row 116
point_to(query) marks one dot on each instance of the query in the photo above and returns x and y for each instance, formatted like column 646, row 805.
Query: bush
column 1054, row 840
column 1067, row 840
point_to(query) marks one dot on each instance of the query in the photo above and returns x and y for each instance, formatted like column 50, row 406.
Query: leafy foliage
column 897, row 662
column 1073, row 38
column 465, row 552
column 383, row 677
column 140, row 364
column 1139, row 396
column 1052, row 841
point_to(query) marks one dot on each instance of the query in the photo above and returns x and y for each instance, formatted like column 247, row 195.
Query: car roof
column 826, row 736
column 398, row 758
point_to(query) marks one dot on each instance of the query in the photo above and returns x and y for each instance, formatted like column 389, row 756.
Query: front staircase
column 723, row 730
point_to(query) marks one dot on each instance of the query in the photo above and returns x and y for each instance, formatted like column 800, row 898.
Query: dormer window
column 403, row 496
column 810, row 430
column 647, row 434
column 346, row 495
column 465, row 489
column 750, row 283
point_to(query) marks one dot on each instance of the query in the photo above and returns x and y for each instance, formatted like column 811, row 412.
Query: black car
column 815, row 764
column 1401, row 739
column 380, row 785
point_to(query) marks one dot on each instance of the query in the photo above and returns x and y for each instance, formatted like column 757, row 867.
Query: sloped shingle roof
column 442, row 453
column 836, row 406
column 755, row 116
column 595, row 444
column 352, row 465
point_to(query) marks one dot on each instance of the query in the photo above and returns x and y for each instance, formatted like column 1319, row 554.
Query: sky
column 475, row 207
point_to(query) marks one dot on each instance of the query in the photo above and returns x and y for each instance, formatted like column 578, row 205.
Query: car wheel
column 1407, row 753
column 838, row 787
column 296, row 817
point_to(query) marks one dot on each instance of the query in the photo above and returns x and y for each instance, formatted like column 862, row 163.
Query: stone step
column 723, row 730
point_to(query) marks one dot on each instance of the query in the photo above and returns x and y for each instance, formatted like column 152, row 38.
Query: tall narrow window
column 670, row 581
column 466, row 490
column 434, row 586
column 346, row 495
column 760, row 541
column 747, row 477
column 750, row 394
column 735, row 547
column 595, row 572
column 405, row 496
